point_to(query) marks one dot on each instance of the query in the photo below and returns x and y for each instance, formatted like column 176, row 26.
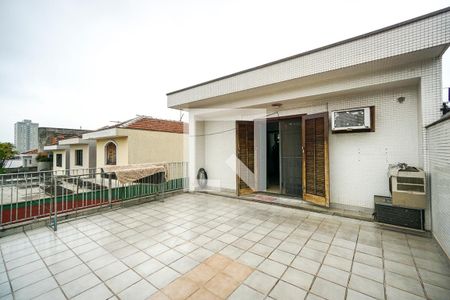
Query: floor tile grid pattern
column 195, row 218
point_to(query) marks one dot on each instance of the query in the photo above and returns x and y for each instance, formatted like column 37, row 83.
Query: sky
column 85, row 63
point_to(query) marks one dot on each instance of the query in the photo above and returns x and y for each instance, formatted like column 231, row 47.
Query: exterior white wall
column 29, row 160
column 220, row 148
column 439, row 176
column 359, row 161
column 122, row 151
column 196, row 150
column 65, row 161
column 146, row 146
column 89, row 156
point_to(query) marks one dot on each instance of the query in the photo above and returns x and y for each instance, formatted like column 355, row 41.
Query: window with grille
column 78, row 157
column 59, row 160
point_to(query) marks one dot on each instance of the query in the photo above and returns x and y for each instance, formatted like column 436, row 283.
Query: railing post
column 55, row 205
column 109, row 190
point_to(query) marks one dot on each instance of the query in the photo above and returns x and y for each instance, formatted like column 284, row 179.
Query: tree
column 7, row 151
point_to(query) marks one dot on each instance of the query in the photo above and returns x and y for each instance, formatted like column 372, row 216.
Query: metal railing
column 27, row 197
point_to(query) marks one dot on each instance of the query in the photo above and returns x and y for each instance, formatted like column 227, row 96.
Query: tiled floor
column 200, row 246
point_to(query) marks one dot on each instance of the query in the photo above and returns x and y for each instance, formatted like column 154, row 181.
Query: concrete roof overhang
column 104, row 134
column 321, row 85
column 400, row 45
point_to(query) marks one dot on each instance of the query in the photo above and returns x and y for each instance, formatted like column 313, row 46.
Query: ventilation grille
column 410, row 188
column 351, row 118
column 410, row 180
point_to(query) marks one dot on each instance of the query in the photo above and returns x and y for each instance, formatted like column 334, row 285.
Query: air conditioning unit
column 355, row 119
column 408, row 186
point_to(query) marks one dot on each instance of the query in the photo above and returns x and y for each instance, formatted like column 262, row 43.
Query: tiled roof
column 33, row 151
column 152, row 124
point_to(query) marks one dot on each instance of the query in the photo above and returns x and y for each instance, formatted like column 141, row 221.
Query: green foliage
column 7, row 151
column 43, row 157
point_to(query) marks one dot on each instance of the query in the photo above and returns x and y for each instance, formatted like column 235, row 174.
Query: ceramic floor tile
column 284, row 290
column 148, row 267
column 111, row 270
column 138, row 291
column 306, row 265
column 237, row 271
column 261, row 282
column 368, row 271
column 163, row 277
column 250, row 259
column 338, row 262
column 55, row 294
column 122, row 281
column 202, row 273
column 180, row 289
column 98, row 292
column 272, row 268
column 298, row 278
column 366, row 286
column 436, row 292
column 222, row 285
column 435, row 278
column 334, row 275
column 408, row 284
column 77, row 286
column 36, row 289
column 218, row 261
column 203, row 294
column 25, row 280
column 243, row 292
column 393, row 293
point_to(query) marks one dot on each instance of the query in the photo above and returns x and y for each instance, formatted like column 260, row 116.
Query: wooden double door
column 314, row 158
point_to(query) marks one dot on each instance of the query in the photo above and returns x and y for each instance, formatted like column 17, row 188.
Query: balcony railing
column 27, row 197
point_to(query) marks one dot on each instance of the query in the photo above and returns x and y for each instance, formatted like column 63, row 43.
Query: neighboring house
column 61, row 157
column 29, row 158
column 51, row 136
column 140, row 140
column 25, row 135
column 74, row 154
column 274, row 123
column 81, row 152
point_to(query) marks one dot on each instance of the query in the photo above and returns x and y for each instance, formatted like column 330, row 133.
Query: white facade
column 81, row 153
column 25, row 135
column 376, row 69
column 61, row 158
column 29, row 160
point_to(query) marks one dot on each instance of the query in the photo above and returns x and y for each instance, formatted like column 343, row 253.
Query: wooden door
column 245, row 152
column 315, row 159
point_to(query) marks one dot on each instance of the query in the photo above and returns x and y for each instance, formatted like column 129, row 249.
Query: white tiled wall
column 359, row 161
column 439, row 160
column 426, row 33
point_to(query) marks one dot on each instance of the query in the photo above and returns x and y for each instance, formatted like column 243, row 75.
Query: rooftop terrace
column 200, row 246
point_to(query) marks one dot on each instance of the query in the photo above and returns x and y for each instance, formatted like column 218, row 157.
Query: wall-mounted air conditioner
column 408, row 187
column 354, row 119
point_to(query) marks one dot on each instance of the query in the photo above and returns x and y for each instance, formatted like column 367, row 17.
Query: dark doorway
column 273, row 157
column 284, row 156
column 291, row 157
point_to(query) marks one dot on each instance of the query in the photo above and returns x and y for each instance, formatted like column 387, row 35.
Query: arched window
column 111, row 153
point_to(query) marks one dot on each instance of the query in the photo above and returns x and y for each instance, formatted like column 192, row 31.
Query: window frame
column 78, row 157
column 107, row 162
column 58, row 160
